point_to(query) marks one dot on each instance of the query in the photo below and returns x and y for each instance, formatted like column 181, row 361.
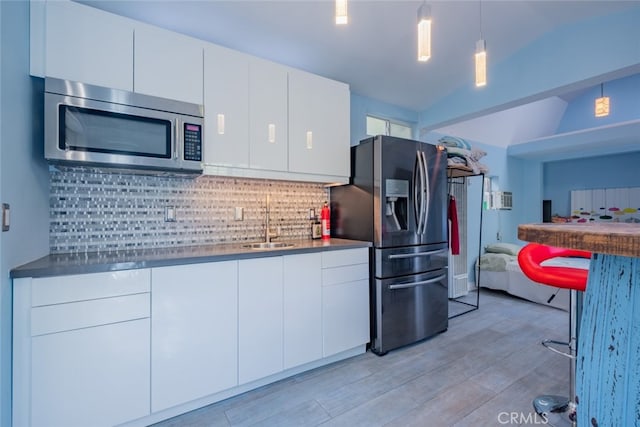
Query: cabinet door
column 168, row 64
column 319, row 120
column 268, row 138
column 345, row 314
column 194, row 332
column 88, row 45
column 226, row 106
column 260, row 318
column 302, row 309
column 92, row 376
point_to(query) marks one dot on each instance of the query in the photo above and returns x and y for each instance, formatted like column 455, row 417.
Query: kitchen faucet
column 268, row 235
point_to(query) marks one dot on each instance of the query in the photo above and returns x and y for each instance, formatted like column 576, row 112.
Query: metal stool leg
column 558, row 410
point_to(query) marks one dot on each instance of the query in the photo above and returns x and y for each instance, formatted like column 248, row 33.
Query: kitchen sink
column 269, row 245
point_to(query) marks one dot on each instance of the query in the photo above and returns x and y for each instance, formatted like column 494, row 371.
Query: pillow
column 503, row 248
column 452, row 141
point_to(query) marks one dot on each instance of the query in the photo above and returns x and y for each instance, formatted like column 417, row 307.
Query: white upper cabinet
column 226, row 107
column 318, row 125
column 84, row 44
column 268, row 141
column 167, row 64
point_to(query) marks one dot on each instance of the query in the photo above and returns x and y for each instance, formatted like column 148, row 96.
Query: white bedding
column 512, row 280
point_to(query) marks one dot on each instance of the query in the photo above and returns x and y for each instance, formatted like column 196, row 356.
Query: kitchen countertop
column 96, row 262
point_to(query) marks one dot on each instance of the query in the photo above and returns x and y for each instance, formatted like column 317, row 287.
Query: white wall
column 24, row 179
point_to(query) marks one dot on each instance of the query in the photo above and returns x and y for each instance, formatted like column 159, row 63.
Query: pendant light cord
column 480, row 3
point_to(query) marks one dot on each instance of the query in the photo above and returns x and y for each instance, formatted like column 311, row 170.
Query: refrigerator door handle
column 427, row 192
column 416, row 255
column 418, row 192
column 421, row 283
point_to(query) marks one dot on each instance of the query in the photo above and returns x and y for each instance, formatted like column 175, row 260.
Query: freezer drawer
column 409, row 309
column 406, row 260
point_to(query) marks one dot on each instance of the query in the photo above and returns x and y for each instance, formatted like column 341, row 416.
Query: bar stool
column 575, row 279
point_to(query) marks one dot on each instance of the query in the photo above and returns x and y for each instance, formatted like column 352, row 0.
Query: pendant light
column 481, row 57
column 424, row 32
column 602, row 103
column 342, row 17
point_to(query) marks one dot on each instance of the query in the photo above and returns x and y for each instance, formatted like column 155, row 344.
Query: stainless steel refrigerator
column 397, row 200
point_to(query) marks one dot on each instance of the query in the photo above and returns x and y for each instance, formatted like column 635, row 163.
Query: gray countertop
column 95, row 262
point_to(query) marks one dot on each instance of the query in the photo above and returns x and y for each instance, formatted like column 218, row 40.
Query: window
column 378, row 126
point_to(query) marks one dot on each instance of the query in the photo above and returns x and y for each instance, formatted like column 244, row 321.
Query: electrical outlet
column 312, row 213
column 170, row 214
column 238, row 214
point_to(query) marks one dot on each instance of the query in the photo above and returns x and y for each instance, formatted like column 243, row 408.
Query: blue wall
column 361, row 106
column 24, row 177
column 615, row 171
column 624, row 95
column 582, row 52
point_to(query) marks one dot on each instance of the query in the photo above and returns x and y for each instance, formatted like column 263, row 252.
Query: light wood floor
column 484, row 371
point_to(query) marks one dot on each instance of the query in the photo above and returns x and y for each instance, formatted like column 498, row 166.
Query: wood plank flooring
column 484, row 371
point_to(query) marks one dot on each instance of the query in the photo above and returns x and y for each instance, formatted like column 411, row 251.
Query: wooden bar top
column 599, row 237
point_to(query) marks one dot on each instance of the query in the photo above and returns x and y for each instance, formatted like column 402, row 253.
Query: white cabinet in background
column 226, row 107
column 81, row 349
column 260, row 318
column 319, row 122
column 302, row 309
column 194, row 332
column 268, row 139
column 345, row 300
column 84, row 44
column 168, row 64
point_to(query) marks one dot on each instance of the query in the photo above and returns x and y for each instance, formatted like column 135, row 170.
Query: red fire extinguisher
column 325, row 218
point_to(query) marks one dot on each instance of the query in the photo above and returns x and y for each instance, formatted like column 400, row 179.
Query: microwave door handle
column 176, row 139
column 427, row 191
column 416, row 255
column 420, row 283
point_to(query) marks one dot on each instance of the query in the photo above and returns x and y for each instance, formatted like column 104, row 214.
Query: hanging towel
column 454, row 239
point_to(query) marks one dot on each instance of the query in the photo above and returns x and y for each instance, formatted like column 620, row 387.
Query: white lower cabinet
column 81, row 349
column 260, row 318
column 194, row 333
column 91, row 377
column 302, row 309
column 345, row 300
column 108, row 348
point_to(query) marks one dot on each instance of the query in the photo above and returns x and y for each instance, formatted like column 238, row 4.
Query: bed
column 499, row 270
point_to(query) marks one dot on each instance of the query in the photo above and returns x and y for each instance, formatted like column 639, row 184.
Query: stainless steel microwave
column 93, row 125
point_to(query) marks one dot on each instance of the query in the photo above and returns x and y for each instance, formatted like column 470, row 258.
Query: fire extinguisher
column 325, row 218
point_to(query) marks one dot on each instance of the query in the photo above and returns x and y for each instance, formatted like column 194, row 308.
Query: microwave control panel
column 192, row 142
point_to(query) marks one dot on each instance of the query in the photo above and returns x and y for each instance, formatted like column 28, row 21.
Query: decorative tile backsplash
column 96, row 210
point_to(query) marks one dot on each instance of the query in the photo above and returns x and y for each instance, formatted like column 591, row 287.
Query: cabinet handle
column 272, row 133
column 309, row 140
column 220, row 124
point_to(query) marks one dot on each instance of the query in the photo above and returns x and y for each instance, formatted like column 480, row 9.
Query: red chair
column 530, row 259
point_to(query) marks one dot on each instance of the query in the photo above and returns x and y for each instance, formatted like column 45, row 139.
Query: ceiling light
column 424, row 32
column 481, row 63
column 481, row 57
column 342, row 18
column 602, row 103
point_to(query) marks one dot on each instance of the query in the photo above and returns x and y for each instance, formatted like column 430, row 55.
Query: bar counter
column 608, row 364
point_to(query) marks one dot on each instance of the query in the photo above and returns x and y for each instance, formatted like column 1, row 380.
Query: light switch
column 6, row 217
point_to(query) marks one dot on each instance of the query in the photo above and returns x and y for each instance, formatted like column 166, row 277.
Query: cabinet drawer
column 349, row 273
column 84, row 314
column 81, row 287
column 345, row 257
